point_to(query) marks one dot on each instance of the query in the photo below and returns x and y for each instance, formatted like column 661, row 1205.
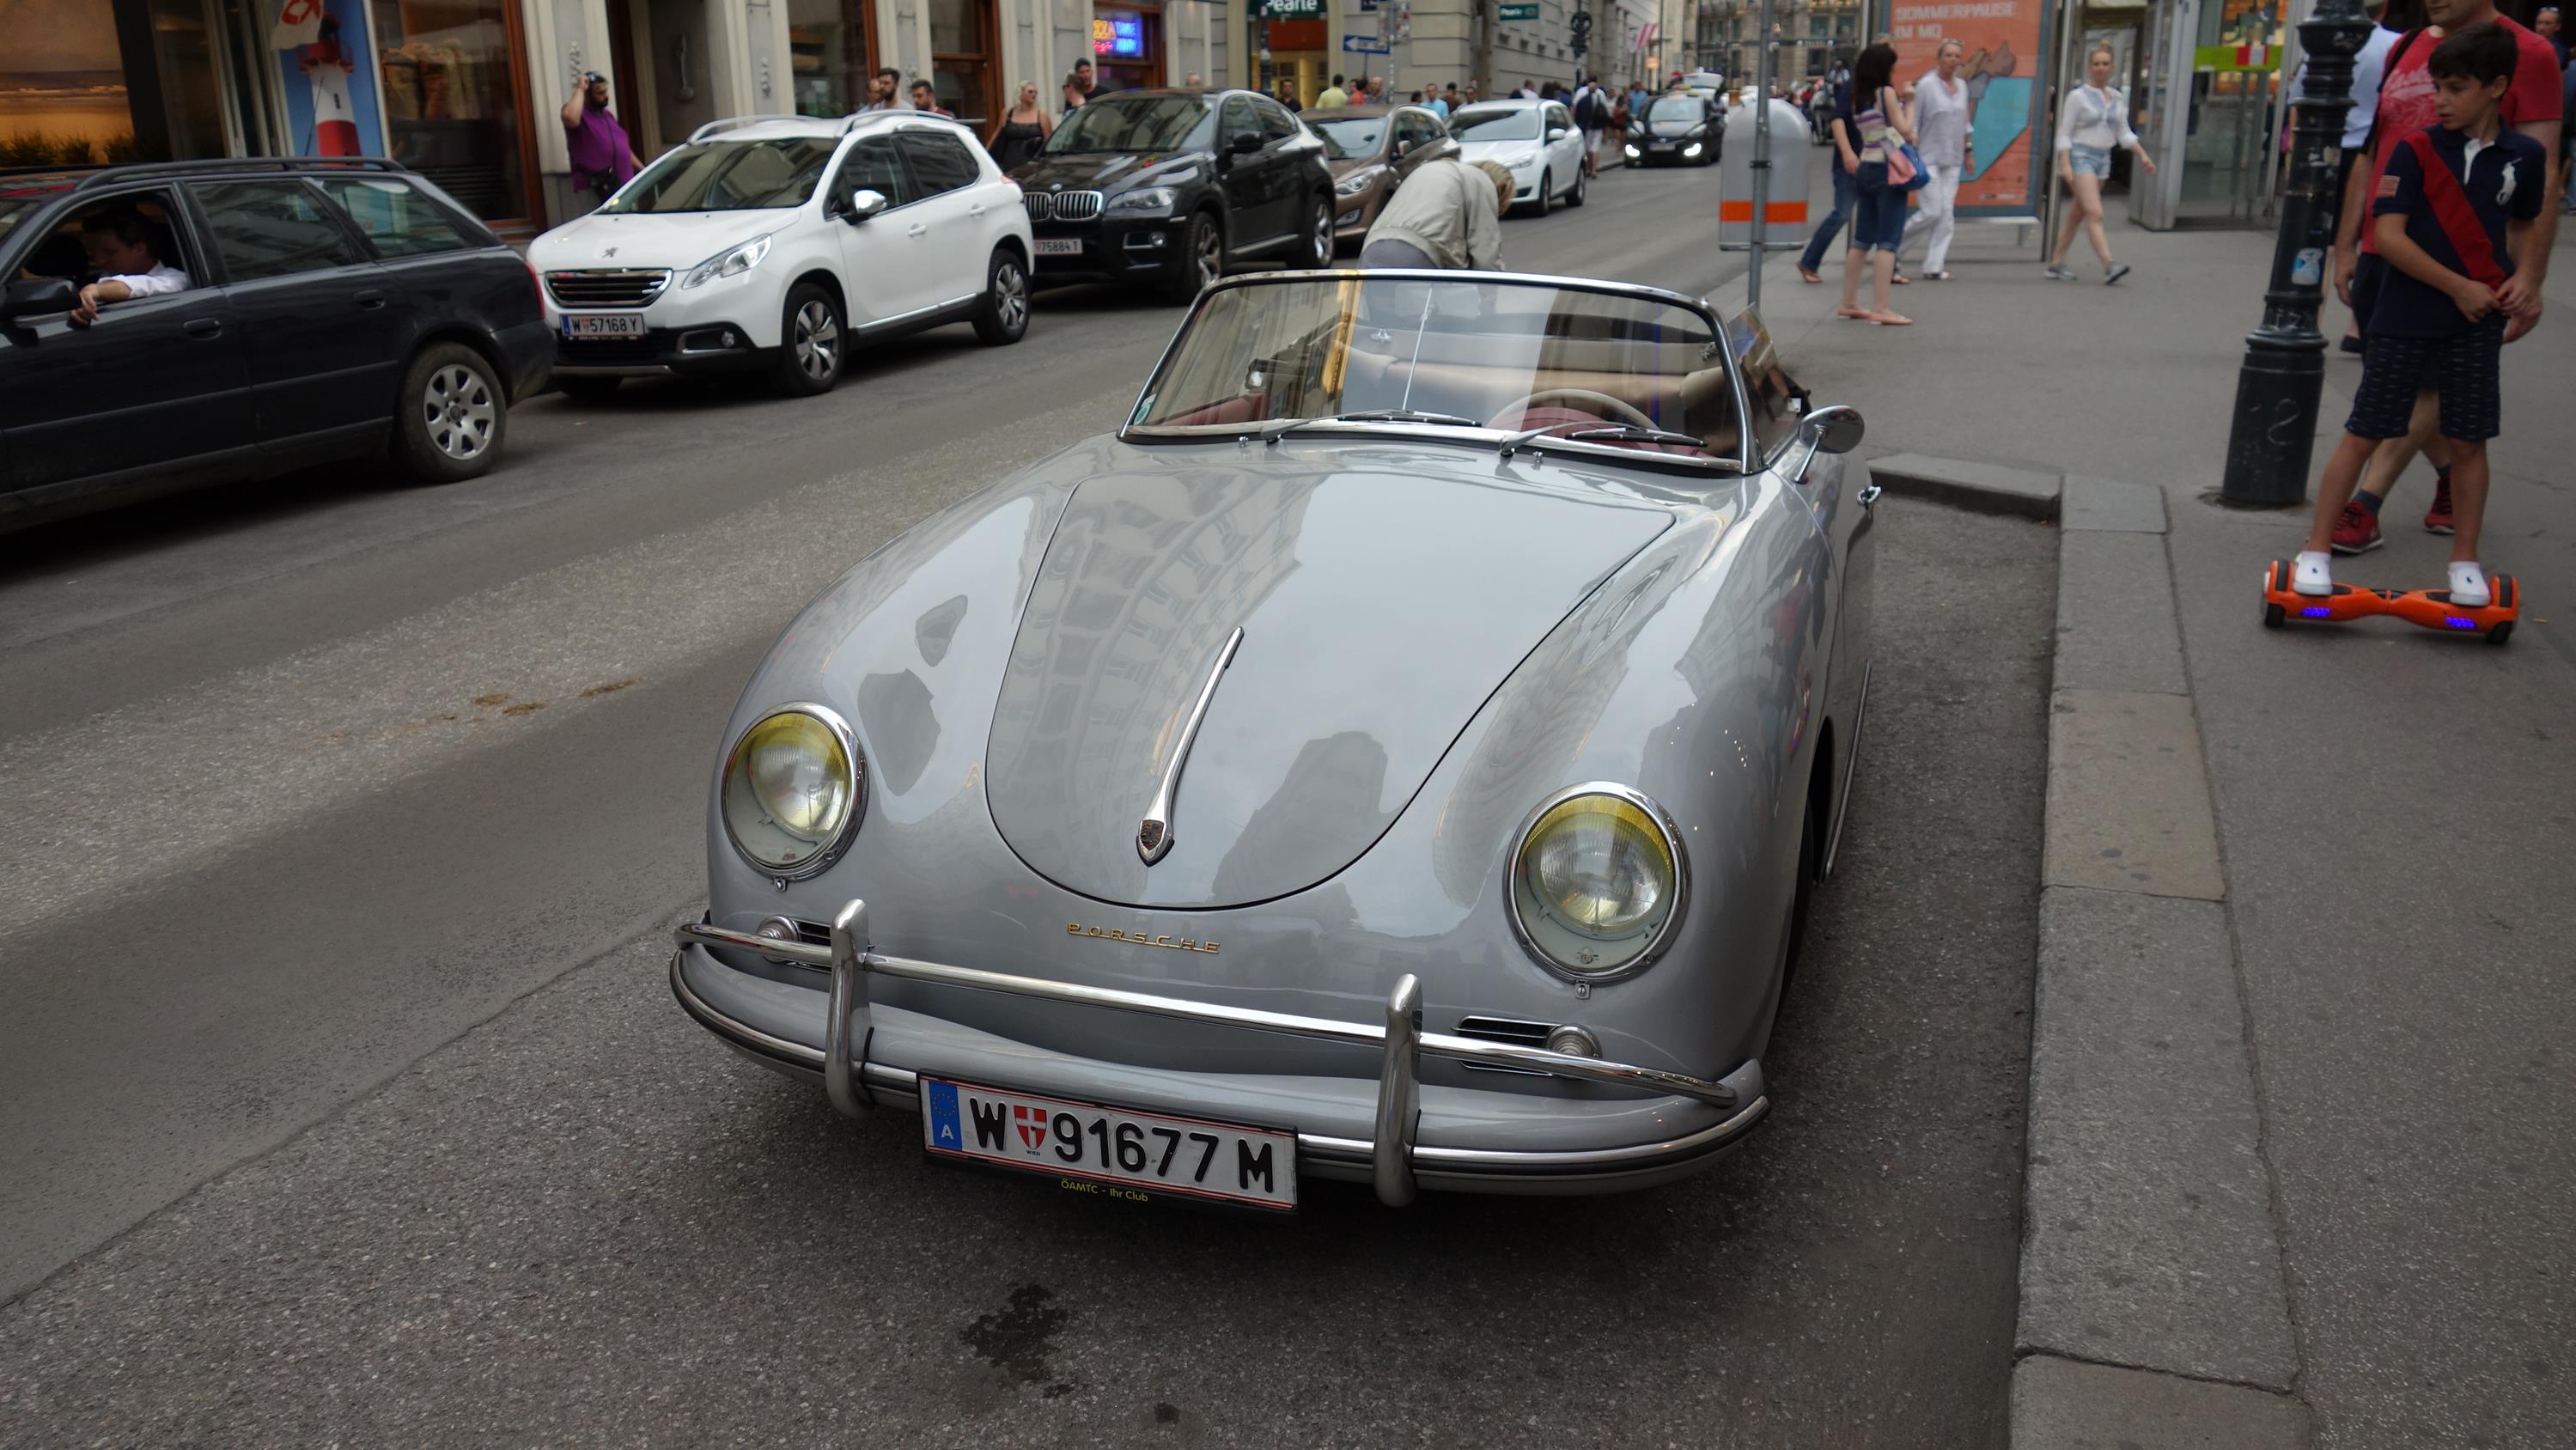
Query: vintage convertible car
column 1402, row 753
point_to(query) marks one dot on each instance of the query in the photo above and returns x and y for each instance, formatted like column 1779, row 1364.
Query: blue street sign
column 1366, row 45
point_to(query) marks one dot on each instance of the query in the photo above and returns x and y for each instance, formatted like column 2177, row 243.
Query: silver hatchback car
column 1402, row 753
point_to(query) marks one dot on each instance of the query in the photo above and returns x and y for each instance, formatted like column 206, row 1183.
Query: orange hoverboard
column 2431, row 608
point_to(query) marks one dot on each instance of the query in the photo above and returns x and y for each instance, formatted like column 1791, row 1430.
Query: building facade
column 1726, row 36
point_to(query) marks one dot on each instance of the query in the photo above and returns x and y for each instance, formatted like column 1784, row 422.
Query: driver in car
column 119, row 244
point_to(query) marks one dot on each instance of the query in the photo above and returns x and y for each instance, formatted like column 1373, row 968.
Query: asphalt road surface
column 342, row 1096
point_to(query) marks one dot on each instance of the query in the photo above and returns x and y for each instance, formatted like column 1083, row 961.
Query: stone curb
column 2154, row 1307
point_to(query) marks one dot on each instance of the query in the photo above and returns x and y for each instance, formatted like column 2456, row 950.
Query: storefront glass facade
column 456, row 100
column 833, row 42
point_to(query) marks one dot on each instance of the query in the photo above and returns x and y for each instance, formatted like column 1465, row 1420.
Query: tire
column 1546, row 199
column 812, row 343
column 2500, row 633
column 1575, row 197
column 1202, row 259
column 1004, row 317
column 2272, row 616
column 588, row 387
column 452, row 415
column 1319, row 234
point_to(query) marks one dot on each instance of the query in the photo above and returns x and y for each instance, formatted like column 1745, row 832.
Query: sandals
column 1856, row 314
column 1888, row 319
column 1936, row 277
column 1811, row 278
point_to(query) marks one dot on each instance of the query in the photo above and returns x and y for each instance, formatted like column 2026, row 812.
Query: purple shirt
column 599, row 144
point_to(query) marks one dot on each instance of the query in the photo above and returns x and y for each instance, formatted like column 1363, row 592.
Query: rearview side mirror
column 1556, row 133
column 38, row 297
column 864, row 203
column 1244, row 143
column 1836, row 427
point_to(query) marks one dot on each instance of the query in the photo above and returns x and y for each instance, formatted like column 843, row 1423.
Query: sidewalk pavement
column 2302, row 1128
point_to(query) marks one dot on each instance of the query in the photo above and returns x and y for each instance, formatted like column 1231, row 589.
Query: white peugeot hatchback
column 772, row 242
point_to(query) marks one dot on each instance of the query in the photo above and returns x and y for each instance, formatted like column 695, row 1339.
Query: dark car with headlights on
column 326, row 309
column 1679, row 128
column 1168, row 188
column 1371, row 150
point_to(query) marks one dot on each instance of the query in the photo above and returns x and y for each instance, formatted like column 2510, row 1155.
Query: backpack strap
column 2457, row 217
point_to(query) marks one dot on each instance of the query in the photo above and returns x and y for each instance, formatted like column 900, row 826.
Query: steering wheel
column 1571, row 395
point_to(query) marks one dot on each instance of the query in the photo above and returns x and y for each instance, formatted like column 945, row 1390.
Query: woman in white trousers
column 1941, row 121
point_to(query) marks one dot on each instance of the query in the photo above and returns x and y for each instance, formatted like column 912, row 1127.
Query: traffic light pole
column 2279, row 383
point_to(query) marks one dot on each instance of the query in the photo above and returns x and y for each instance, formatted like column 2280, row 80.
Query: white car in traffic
column 770, row 243
column 1536, row 140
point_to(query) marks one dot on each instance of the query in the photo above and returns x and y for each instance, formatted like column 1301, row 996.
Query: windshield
column 729, row 176
column 1490, row 355
column 1677, row 108
column 1495, row 123
column 1140, row 123
column 1346, row 139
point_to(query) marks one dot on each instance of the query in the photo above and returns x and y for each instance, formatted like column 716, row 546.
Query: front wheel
column 1319, row 234
column 1202, row 259
column 1546, row 193
column 1004, row 318
column 1575, row 197
column 453, row 415
column 810, row 343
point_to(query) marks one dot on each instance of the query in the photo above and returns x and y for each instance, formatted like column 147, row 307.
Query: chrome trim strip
column 1851, row 767
column 1663, row 937
column 1154, row 833
column 881, row 324
column 1317, row 1146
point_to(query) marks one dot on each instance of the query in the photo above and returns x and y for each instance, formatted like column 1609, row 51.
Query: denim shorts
column 1878, row 210
column 2089, row 160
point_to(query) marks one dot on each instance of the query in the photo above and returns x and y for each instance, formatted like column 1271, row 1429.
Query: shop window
column 962, row 60
column 832, row 44
column 273, row 229
column 396, row 218
column 455, row 101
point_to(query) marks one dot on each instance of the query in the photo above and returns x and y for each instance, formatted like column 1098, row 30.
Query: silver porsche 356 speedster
column 1402, row 753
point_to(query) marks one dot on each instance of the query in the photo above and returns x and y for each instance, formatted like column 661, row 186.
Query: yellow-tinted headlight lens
column 1599, row 865
column 789, row 788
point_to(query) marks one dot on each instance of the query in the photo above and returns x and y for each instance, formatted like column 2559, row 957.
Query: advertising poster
column 2007, row 49
column 330, row 107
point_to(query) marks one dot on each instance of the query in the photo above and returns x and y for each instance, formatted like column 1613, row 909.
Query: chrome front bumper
column 1394, row 1162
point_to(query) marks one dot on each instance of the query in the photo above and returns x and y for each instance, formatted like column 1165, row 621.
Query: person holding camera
column 602, row 157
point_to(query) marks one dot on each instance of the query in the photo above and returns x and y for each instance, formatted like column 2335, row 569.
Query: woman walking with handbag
column 2091, row 124
column 1870, row 135
column 1021, row 132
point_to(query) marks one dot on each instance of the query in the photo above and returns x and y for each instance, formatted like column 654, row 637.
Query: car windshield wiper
column 1275, row 431
column 1612, row 432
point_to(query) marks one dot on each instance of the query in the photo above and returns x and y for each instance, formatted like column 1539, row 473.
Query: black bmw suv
column 284, row 313
column 1166, row 188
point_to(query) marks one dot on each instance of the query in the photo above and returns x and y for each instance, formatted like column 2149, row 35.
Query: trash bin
column 1785, row 216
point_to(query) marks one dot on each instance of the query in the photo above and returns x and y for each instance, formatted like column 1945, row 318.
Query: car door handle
column 976, row 210
column 203, row 327
column 1869, row 495
column 371, row 298
column 916, row 229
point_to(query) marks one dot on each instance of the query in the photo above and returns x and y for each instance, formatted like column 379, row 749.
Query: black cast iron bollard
column 2285, row 359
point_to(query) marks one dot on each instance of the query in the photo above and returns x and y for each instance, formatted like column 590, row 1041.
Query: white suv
column 771, row 242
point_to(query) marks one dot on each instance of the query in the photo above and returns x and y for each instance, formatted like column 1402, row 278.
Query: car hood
column 1503, row 151
column 1674, row 128
column 1107, row 171
column 1344, row 166
column 658, row 239
column 1381, row 605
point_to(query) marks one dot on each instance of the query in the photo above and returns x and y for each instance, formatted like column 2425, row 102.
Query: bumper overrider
column 1697, row 1120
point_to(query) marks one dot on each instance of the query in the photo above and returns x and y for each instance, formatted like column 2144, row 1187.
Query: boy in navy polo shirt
column 2454, row 202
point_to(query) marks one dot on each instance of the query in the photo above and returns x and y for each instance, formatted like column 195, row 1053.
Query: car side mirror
column 864, row 203
column 1836, row 426
column 1556, row 133
column 38, row 297
column 1244, row 143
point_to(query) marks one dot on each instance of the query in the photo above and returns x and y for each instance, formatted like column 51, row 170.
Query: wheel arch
column 479, row 342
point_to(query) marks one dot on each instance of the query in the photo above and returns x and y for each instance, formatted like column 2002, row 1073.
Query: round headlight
column 793, row 788
column 1597, row 882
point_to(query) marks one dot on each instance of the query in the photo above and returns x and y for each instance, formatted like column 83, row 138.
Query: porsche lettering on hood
column 1379, row 610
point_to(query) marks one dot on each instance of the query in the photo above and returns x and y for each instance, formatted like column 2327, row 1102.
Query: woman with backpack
column 1871, row 132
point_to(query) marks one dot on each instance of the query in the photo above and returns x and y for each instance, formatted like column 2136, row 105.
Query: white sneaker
column 2469, row 586
column 2314, row 574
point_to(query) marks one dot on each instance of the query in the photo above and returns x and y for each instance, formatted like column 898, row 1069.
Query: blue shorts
column 1878, row 210
column 2462, row 368
column 2089, row 161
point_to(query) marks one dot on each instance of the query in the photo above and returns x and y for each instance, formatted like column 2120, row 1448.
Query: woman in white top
column 1942, row 140
column 2092, row 122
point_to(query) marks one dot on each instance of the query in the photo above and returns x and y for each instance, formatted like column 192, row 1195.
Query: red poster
column 2004, row 40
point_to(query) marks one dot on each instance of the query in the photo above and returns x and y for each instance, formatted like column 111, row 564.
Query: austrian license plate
column 1059, row 246
column 603, row 324
column 1659, row 145
column 1110, row 1151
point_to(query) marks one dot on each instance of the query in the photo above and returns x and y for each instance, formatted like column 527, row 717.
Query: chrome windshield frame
column 1743, row 462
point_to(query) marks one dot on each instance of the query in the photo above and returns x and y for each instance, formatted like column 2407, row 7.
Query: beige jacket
column 1448, row 209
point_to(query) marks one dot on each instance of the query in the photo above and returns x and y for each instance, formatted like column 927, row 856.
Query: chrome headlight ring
column 834, row 843
column 1662, row 938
